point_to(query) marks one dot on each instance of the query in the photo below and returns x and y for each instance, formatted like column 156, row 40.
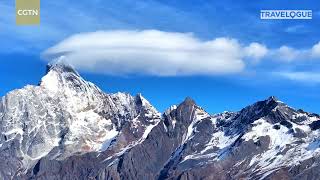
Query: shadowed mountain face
column 67, row 128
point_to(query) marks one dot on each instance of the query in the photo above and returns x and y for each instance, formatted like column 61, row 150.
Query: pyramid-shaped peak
column 269, row 103
column 270, row 108
column 273, row 99
column 61, row 65
column 141, row 100
column 188, row 101
column 61, row 74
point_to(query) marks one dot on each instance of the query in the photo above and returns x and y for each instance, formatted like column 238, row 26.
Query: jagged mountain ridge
column 66, row 115
column 67, row 128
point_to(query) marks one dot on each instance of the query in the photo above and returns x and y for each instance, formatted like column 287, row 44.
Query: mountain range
column 67, row 128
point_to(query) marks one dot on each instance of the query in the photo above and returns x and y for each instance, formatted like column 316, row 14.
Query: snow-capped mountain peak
column 61, row 65
column 67, row 127
column 66, row 115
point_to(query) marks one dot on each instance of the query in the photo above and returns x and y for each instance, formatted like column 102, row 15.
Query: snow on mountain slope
column 262, row 138
column 68, row 125
column 66, row 115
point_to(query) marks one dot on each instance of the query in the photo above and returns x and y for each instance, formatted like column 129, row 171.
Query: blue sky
column 288, row 73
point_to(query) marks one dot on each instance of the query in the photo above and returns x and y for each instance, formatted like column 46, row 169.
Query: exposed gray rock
column 67, row 128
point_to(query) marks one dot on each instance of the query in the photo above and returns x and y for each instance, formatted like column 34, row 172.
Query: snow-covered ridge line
column 67, row 115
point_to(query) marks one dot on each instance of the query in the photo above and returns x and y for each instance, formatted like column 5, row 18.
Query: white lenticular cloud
column 154, row 52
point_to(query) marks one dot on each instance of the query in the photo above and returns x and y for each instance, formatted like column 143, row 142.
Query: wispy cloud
column 154, row 52
column 297, row 29
column 315, row 51
column 290, row 54
column 53, row 26
column 84, row 16
column 305, row 77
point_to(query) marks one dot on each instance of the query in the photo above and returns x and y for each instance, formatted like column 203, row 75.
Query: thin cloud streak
column 305, row 77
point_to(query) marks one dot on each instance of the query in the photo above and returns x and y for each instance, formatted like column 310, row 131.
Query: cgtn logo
column 27, row 12
column 285, row 14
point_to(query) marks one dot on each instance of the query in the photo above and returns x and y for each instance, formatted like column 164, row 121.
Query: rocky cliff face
column 67, row 128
